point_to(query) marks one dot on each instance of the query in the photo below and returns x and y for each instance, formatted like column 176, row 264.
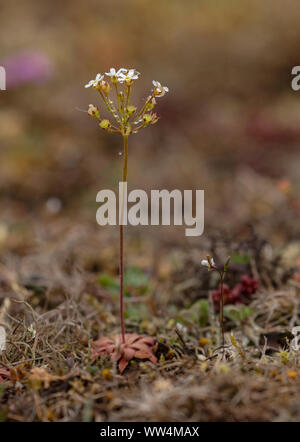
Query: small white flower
column 181, row 328
column 295, row 341
column 159, row 90
column 53, row 205
column 115, row 75
column 208, row 264
column 128, row 76
column 94, row 83
column 32, row 330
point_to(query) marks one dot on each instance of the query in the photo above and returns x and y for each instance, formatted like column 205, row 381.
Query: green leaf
column 108, row 282
column 238, row 258
column 134, row 278
column 203, row 312
column 238, row 314
column 138, row 312
column 198, row 313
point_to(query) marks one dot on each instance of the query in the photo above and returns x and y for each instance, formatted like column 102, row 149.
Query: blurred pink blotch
column 27, row 67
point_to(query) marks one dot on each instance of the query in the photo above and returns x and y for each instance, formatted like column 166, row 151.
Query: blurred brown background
column 230, row 123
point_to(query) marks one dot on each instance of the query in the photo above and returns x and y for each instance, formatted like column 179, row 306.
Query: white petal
column 296, row 330
column 294, row 344
column 111, row 72
column 205, row 263
column 99, row 77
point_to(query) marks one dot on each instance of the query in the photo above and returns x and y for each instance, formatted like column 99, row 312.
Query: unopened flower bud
column 93, row 111
column 131, row 110
column 105, row 124
column 105, row 87
column 154, row 118
column 147, row 118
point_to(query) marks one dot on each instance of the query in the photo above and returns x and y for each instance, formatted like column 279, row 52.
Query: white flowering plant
column 211, row 266
column 126, row 120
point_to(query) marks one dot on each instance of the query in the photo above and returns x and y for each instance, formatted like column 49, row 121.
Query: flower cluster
column 127, row 119
column 240, row 294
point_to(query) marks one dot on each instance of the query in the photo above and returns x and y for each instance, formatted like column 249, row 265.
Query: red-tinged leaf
column 122, row 365
column 102, row 342
column 153, row 358
column 134, row 346
column 140, row 346
column 149, row 341
column 128, row 353
column 140, row 354
column 130, row 338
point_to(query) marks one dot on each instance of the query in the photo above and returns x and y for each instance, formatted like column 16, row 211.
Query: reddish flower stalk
column 125, row 139
column 122, row 284
column 222, row 276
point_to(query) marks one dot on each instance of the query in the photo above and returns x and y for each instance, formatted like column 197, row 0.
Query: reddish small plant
column 228, row 294
column 240, row 294
column 247, row 286
column 135, row 346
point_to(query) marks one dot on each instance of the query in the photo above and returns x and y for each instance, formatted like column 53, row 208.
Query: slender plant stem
column 125, row 140
column 119, row 102
column 141, row 112
column 222, row 275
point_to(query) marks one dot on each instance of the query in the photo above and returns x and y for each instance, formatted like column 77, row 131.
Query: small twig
column 185, row 348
